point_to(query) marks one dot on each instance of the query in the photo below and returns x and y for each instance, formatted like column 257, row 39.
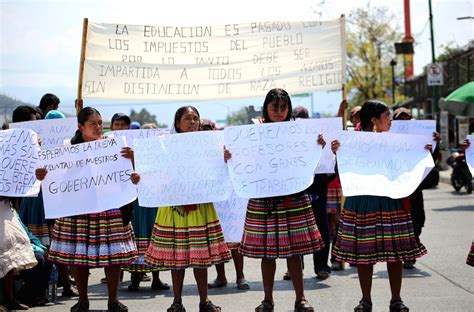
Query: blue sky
column 40, row 40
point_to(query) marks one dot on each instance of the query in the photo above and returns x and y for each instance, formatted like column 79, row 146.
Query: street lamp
column 393, row 63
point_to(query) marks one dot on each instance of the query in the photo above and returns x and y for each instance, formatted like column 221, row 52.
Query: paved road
column 441, row 281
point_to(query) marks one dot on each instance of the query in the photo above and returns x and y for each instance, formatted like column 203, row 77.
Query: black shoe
column 322, row 275
column 117, row 307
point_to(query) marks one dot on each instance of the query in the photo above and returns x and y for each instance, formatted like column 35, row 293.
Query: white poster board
column 273, row 159
column 382, row 164
column 135, row 134
column 182, row 169
column 52, row 132
column 418, row 127
column 171, row 63
column 470, row 154
column 19, row 159
column 86, row 178
column 232, row 217
column 331, row 129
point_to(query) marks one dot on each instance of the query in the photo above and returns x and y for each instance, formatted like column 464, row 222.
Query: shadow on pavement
column 455, row 208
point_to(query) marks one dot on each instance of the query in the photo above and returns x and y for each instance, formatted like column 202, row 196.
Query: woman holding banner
column 96, row 239
column 281, row 227
column 375, row 228
column 188, row 236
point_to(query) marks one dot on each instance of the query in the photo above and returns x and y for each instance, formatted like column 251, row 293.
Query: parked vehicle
column 460, row 177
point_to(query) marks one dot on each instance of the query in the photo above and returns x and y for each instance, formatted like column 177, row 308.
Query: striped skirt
column 94, row 240
column 280, row 227
column 142, row 222
column 470, row 256
column 32, row 215
column 333, row 205
column 375, row 229
column 184, row 238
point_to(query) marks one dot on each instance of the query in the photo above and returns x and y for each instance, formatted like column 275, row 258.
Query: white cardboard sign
column 382, row 164
column 470, row 154
column 86, row 178
column 182, row 169
column 52, row 132
column 232, row 217
column 273, row 159
column 19, row 159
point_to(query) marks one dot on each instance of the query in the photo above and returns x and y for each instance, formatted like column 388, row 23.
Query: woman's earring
column 374, row 129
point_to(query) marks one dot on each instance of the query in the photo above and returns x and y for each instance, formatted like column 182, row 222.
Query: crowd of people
column 359, row 230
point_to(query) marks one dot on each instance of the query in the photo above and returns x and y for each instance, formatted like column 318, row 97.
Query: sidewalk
column 445, row 176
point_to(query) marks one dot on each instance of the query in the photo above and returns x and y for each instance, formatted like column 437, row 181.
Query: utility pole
column 435, row 96
column 408, row 38
column 393, row 63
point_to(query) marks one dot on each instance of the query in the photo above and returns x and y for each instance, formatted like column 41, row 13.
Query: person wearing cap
column 416, row 198
column 401, row 113
column 318, row 196
column 134, row 125
column 221, row 279
column 54, row 114
column 120, row 121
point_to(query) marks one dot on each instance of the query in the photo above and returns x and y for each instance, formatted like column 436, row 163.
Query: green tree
column 144, row 116
column 238, row 118
column 370, row 47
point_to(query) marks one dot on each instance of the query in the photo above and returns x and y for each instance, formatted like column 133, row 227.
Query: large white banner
column 182, row 169
column 137, row 134
column 19, row 160
column 419, row 127
column 232, row 217
column 273, row 159
column 51, row 132
column 86, row 178
column 212, row 62
column 470, row 154
column 382, row 164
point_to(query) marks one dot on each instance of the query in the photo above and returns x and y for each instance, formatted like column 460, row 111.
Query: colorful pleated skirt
column 32, row 215
column 470, row 256
column 375, row 229
column 142, row 223
column 333, row 205
column 280, row 227
column 334, row 202
column 94, row 240
column 187, row 237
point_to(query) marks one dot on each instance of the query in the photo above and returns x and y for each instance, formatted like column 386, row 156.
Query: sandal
column 217, row 284
column 145, row 278
column 134, row 287
column 303, row 306
column 265, row 306
column 159, row 285
column 242, row 284
column 117, row 307
column 16, row 305
column 363, row 306
column 176, row 307
column 398, row 306
column 80, row 306
column 208, row 306
column 70, row 292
